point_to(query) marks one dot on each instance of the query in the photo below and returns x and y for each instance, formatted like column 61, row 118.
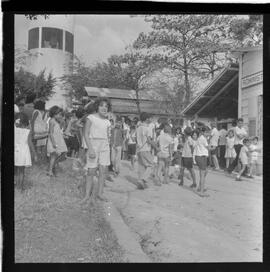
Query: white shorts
column 102, row 150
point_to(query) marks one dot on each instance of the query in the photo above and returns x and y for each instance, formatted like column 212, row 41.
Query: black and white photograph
column 138, row 138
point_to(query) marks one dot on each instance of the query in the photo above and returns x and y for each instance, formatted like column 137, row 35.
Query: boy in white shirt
column 144, row 144
column 213, row 145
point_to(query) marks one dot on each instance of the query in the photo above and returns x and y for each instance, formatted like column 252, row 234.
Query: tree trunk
column 187, row 85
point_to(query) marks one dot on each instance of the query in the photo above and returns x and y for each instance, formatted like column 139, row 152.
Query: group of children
column 97, row 143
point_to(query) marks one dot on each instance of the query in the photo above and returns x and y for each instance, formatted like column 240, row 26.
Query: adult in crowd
column 40, row 129
column 214, row 137
column 239, row 134
column 29, row 105
column 222, row 146
column 132, row 139
column 125, row 128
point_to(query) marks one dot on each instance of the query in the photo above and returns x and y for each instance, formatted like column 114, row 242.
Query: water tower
column 51, row 42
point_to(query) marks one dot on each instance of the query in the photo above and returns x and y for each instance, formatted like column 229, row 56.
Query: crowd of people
column 96, row 143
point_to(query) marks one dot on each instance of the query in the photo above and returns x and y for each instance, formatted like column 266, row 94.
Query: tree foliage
column 26, row 83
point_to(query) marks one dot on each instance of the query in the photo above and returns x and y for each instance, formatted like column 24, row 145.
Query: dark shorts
column 201, row 162
column 73, row 143
column 187, row 162
column 132, row 149
column 213, row 151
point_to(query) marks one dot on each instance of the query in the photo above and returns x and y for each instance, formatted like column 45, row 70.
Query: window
column 52, row 38
column 33, row 38
column 69, row 42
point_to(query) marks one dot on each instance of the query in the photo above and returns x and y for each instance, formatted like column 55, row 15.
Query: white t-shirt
column 143, row 132
column 201, row 147
column 214, row 137
column 241, row 131
column 99, row 127
column 165, row 140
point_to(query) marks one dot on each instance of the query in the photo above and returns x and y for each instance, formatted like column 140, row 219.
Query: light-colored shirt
column 99, row 127
column 143, row 132
column 230, row 142
column 189, row 143
column 201, row 147
column 242, row 132
column 214, row 137
column 165, row 140
column 131, row 136
column 222, row 136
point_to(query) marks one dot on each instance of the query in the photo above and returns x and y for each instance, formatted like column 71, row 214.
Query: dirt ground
column 173, row 224
column 50, row 225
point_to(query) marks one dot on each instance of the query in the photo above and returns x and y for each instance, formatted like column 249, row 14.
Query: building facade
column 51, row 44
column 250, row 88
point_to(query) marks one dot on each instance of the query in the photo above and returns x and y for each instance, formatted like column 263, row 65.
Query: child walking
column 96, row 136
column 230, row 153
column 201, row 153
column 56, row 146
column 165, row 143
column 187, row 158
column 244, row 156
column 22, row 146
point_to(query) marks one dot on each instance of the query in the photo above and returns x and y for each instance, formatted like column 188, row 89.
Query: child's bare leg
column 181, row 175
column 53, row 157
column 89, row 185
column 251, row 168
column 21, row 178
column 241, row 171
column 166, row 172
column 227, row 162
column 159, row 170
column 192, row 173
column 101, row 179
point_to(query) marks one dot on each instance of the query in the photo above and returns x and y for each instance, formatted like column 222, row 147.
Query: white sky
column 96, row 37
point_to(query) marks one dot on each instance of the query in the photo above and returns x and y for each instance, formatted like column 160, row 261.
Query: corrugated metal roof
column 226, row 79
column 116, row 93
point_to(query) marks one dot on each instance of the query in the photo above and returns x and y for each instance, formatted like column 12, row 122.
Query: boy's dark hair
column 24, row 120
column 246, row 140
column 39, row 105
column 240, row 120
column 195, row 131
column 203, row 129
column 80, row 112
column 30, row 98
column 54, row 110
column 188, row 131
column 256, row 138
column 98, row 102
column 144, row 116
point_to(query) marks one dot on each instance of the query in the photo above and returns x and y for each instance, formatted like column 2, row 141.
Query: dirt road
column 173, row 224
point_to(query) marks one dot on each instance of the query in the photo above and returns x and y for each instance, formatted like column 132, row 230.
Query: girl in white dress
column 230, row 153
column 22, row 145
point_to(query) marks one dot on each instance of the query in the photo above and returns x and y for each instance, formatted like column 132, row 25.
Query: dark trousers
column 235, row 161
column 222, row 160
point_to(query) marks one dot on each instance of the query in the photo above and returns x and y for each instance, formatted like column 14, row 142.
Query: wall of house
column 252, row 92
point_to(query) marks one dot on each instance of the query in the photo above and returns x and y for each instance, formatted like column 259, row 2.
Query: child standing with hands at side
column 230, row 153
column 165, row 144
column 56, row 146
column 23, row 144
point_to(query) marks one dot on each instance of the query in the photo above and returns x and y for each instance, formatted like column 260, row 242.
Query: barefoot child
column 201, row 153
column 56, row 146
column 230, row 153
column 22, row 146
column 165, row 143
column 244, row 158
column 254, row 155
column 187, row 157
column 96, row 136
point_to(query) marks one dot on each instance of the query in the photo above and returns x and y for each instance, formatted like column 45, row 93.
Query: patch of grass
column 50, row 225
